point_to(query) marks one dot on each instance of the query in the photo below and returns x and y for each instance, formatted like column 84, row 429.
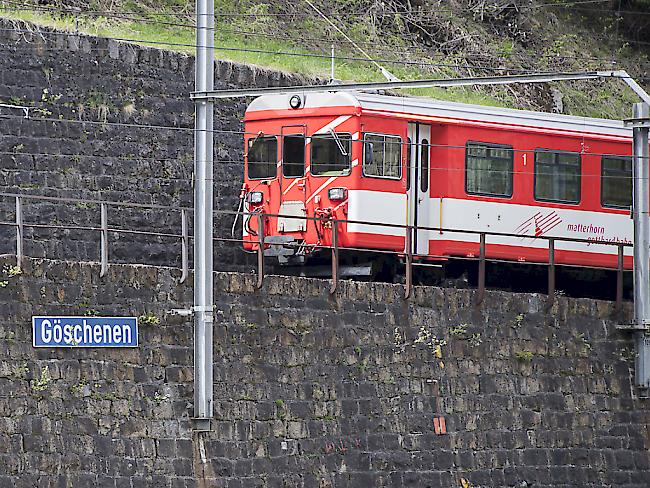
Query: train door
column 418, row 184
column 292, row 179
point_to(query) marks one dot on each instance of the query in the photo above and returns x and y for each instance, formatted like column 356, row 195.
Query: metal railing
column 260, row 242
column 104, row 229
column 409, row 257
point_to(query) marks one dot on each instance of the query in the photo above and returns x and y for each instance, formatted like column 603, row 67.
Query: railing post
column 19, row 233
column 409, row 262
column 619, row 277
column 104, row 240
column 260, row 251
column 185, row 247
column 335, row 257
column 481, row 271
column 551, row 269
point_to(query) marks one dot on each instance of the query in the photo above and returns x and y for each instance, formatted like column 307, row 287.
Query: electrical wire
column 407, row 166
column 175, row 128
column 371, row 60
column 21, row 6
column 92, row 156
column 73, row 156
column 218, row 29
column 274, row 53
column 315, row 39
column 123, row 124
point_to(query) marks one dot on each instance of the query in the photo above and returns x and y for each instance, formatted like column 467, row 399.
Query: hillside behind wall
column 94, row 80
column 318, row 391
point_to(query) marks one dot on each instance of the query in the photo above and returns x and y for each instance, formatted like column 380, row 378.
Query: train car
column 372, row 164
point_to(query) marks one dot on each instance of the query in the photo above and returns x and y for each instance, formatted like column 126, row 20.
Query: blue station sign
column 85, row 331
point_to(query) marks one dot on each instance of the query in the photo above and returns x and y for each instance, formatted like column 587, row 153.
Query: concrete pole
column 641, row 206
column 203, row 218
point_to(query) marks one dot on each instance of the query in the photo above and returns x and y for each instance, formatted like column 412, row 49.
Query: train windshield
column 330, row 154
column 293, row 159
column 262, row 157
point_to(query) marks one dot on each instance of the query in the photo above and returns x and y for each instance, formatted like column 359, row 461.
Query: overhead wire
column 103, row 124
column 328, row 56
column 465, row 64
column 458, row 65
column 73, row 156
column 72, row 10
column 257, row 34
column 262, row 51
column 253, row 133
column 258, row 51
column 122, row 124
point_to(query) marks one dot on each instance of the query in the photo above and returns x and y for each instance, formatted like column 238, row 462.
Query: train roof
column 360, row 102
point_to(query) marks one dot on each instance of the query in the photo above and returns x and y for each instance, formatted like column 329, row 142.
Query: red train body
column 408, row 161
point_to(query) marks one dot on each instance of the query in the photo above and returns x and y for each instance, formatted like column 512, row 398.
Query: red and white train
column 411, row 161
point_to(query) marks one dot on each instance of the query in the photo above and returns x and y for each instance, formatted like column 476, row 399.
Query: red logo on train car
column 539, row 224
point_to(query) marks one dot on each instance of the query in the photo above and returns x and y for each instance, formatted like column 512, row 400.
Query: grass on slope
column 232, row 44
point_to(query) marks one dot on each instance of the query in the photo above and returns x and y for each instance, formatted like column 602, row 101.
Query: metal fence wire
column 104, row 230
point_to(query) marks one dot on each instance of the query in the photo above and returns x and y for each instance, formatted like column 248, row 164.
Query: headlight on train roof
column 337, row 194
column 295, row 102
column 255, row 197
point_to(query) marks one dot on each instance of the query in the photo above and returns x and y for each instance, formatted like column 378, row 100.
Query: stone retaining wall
column 318, row 391
column 114, row 121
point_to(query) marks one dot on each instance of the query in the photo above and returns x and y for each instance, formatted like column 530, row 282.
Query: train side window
column 330, row 156
column 424, row 165
column 293, row 156
column 488, row 169
column 382, row 156
column 408, row 163
column 616, row 182
column 262, row 157
column 557, row 176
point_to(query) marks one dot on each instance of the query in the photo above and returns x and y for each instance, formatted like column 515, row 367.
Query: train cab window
column 330, row 154
column 262, row 157
column 557, row 176
column 293, row 156
column 382, row 156
column 488, row 169
column 424, row 165
column 616, row 182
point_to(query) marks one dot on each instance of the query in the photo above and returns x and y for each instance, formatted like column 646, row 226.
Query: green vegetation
column 362, row 366
column 7, row 273
column 148, row 319
column 459, row 331
column 78, row 388
column 42, row 383
column 280, row 412
column 524, row 356
column 160, row 398
column 251, row 36
column 21, row 371
column 420, row 41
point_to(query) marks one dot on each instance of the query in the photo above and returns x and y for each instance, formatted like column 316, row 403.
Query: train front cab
column 300, row 168
column 326, row 166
